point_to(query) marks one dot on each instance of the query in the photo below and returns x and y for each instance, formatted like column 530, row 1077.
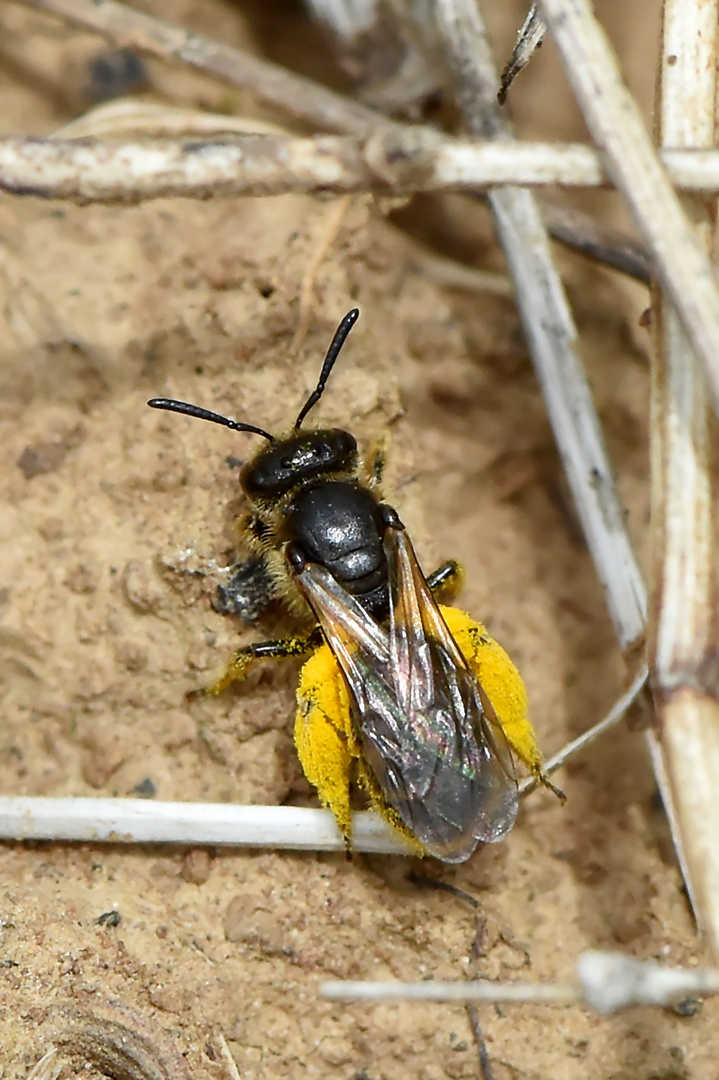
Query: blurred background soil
column 117, row 524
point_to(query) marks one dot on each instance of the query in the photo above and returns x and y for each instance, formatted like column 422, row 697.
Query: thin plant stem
column 584, row 740
column 550, row 330
column 681, row 261
column 392, row 161
column 605, row 982
column 682, row 631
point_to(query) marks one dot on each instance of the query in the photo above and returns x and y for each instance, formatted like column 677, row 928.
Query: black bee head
column 302, row 456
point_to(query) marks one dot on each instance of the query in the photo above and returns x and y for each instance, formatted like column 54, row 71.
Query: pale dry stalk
column 233, row 1071
column 587, row 737
column 551, row 332
column 392, row 161
column 605, row 982
column 612, row 116
column 48, row 1067
column 682, row 630
column 528, row 41
column 299, row 97
column 137, row 821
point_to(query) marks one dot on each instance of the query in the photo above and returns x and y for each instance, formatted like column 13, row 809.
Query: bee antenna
column 170, row 405
column 341, row 335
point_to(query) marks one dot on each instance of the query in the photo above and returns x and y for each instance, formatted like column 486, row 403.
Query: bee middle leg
column 447, row 580
column 235, row 669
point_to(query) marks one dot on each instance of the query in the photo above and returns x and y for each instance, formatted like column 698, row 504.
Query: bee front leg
column 248, row 591
column 235, row 669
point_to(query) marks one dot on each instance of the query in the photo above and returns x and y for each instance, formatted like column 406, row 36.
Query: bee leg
column 328, row 748
column 236, row 668
column 543, row 779
column 380, row 806
column 504, row 688
column 447, row 580
column 324, row 736
column 502, row 685
column 248, row 592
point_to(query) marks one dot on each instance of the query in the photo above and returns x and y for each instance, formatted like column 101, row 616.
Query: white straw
column 606, row 982
column 682, row 264
column 136, row 821
column 145, row 821
column 130, row 171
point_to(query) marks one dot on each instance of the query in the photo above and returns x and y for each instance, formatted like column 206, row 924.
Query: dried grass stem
column 550, row 330
column 612, row 116
column 392, row 161
column 605, row 982
column 682, row 633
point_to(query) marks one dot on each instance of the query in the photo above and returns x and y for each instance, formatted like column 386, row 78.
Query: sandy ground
column 116, row 526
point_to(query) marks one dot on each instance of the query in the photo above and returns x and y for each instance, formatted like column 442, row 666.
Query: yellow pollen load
column 328, row 748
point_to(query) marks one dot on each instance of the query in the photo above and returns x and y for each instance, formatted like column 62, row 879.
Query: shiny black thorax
column 338, row 524
column 308, row 483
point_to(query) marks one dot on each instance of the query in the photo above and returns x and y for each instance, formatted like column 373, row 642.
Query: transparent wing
column 454, row 753
column 427, row 735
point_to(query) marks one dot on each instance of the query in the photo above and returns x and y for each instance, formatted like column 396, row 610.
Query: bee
column 412, row 697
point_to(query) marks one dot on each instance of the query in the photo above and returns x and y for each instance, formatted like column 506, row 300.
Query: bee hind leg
column 447, row 580
column 235, row 670
column 329, row 750
column 324, row 737
column 543, row 779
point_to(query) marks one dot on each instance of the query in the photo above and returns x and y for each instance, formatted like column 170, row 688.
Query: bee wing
column 456, row 764
column 440, row 762
column 354, row 637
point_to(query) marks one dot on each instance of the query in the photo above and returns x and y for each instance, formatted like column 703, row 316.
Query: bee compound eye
column 296, row 557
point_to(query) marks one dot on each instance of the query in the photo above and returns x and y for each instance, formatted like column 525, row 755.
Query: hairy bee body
column 415, row 700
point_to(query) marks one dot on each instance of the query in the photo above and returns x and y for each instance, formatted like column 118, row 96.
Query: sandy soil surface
column 116, row 526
